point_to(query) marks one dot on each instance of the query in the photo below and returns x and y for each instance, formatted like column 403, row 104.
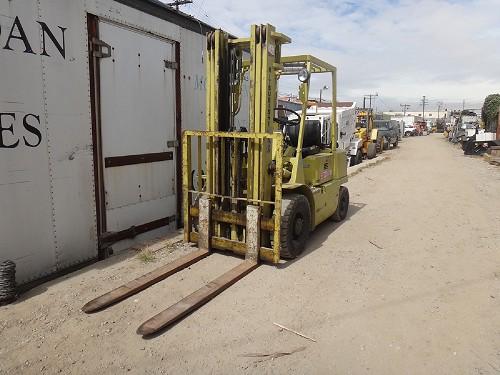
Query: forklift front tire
column 295, row 225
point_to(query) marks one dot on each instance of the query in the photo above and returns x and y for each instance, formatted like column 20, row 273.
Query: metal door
column 138, row 129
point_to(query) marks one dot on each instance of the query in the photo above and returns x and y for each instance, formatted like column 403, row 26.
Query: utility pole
column 463, row 105
column 424, row 102
column 370, row 96
column 405, row 107
column 321, row 91
column 176, row 3
column 440, row 104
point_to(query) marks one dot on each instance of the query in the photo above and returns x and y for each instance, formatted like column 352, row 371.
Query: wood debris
column 297, row 333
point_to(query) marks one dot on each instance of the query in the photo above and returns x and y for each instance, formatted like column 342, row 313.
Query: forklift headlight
column 304, row 75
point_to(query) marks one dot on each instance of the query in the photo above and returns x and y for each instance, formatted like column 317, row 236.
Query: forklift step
column 190, row 303
column 143, row 282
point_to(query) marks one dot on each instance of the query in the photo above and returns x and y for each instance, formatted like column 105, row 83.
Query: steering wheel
column 287, row 122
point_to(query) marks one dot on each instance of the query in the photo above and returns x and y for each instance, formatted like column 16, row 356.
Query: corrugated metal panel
column 69, row 136
column 47, row 191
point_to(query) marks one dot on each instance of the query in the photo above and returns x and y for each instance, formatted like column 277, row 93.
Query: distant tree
column 489, row 112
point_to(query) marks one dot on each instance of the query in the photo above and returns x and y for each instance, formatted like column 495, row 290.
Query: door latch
column 99, row 51
column 171, row 64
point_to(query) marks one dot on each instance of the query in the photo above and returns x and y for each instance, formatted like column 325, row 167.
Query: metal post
column 253, row 233
column 204, row 225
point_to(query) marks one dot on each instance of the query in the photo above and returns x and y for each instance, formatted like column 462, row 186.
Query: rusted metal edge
column 234, row 218
column 143, row 282
column 119, row 161
column 178, row 132
column 237, row 247
column 244, row 135
column 108, row 238
column 95, row 112
column 193, row 301
column 240, row 199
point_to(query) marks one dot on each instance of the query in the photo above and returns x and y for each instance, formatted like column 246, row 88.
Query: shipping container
column 94, row 96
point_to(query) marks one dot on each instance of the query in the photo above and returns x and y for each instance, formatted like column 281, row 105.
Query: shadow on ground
column 321, row 233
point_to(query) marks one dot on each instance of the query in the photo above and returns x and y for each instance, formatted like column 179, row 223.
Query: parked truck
column 388, row 130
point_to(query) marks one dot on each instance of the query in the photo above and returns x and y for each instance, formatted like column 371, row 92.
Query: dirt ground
column 408, row 284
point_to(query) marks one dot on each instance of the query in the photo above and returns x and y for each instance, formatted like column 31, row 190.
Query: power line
column 202, row 13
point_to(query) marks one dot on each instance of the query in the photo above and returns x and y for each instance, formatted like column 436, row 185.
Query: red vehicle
column 420, row 128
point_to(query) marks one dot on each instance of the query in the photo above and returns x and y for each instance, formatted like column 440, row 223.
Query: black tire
column 380, row 145
column 385, row 144
column 395, row 144
column 356, row 159
column 295, row 225
column 371, row 150
column 342, row 206
column 359, row 157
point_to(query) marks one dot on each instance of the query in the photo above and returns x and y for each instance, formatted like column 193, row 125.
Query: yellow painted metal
column 236, row 219
column 364, row 128
column 186, row 167
column 256, row 167
column 317, row 176
column 318, row 65
column 277, row 199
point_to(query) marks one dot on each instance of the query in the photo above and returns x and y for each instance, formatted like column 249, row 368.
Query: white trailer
column 346, row 125
column 93, row 100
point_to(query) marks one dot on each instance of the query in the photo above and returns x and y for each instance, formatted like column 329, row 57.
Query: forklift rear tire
column 371, row 151
column 295, row 225
column 343, row 205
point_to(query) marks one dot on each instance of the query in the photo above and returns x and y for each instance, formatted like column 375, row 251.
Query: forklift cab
column 311, row 157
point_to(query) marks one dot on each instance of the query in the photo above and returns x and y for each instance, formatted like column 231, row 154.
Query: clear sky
column 448, row 50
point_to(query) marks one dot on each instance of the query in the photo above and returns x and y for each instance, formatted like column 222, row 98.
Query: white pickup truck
column 409, row 130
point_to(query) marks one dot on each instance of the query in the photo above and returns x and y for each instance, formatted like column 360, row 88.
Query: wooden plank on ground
column 196, row 299
column 143, row 282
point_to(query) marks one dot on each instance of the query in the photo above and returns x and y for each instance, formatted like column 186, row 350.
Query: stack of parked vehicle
column 476, row 135
column 358, row 133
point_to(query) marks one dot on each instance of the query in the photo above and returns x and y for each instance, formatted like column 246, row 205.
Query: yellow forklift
column 257, row 191
column 367, row 134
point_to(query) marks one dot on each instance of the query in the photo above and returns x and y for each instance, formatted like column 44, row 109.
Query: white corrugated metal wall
column 47, row 197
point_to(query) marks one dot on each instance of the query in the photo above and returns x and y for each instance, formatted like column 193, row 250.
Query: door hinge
column 98, row 48
column 171, row 64
column 174, row 143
